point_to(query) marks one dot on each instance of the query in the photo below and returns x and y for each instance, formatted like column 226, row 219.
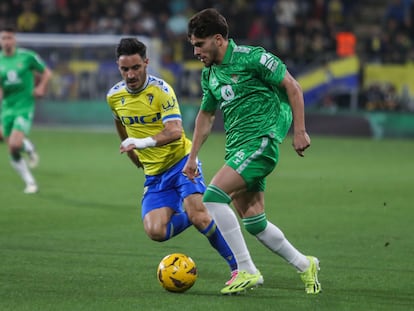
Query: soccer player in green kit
column 258, row 99
column 18, row 92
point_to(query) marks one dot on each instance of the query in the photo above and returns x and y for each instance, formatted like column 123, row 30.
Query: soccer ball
column 177, row 272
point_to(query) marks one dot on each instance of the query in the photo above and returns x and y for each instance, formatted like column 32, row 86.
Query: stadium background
column 353, row 60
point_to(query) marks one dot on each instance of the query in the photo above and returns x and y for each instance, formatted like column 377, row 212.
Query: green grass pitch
column 79, row 244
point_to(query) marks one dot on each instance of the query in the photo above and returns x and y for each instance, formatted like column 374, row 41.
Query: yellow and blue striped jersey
column 143, row 114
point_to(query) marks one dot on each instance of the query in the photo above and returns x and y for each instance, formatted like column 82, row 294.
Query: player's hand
column 191, row 169
column 301, row 141
column 39, row 92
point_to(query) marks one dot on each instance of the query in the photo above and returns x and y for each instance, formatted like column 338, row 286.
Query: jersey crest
column 150, row 98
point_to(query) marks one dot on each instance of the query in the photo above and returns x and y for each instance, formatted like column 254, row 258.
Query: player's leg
column 161, row 207
column 205, row 224
column 163, row 215
column 15, row 128
column 217, row 201
column 163, row 223
column 191, row 193
column 15, row 143
column 29, row 148
column 250, row 206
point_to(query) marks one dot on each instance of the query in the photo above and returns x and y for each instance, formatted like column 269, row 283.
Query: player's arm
column 203, row 125
column 42, row 82
column 123, row 135
column 301, row 139
column 172, row 131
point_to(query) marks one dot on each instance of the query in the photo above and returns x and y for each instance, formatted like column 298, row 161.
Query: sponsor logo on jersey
column 170, row 104
column 227, row 92
column 130, row 120
column 268, row 61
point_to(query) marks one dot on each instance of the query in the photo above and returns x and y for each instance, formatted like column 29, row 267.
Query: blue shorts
column 170, row 188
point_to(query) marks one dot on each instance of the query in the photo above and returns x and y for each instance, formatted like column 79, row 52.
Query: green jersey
column 17, row 79
column 245, row 87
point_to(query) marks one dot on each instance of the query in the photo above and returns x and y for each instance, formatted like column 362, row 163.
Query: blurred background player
column 28, row 147
column 18, row 91
column 148, row 121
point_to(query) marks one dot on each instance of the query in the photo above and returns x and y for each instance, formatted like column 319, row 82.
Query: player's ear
column 219, row 39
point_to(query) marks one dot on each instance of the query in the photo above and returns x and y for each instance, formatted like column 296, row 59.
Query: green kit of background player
column 19, row 86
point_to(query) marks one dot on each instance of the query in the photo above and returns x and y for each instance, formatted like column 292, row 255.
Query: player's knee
column 15, row 154
column 200, row 218
column 215, row 194
column 255, row 224
column 155, row 232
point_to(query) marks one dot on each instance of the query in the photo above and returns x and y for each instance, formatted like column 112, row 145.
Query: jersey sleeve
column 208, row 102
column 37, row 62
column 268, row 67
column 169, row 107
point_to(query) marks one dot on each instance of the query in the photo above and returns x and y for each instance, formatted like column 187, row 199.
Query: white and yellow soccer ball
column 177, row 272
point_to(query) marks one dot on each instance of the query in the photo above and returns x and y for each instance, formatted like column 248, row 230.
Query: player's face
column 133, row 69
column 8, row 42
column 207, row 49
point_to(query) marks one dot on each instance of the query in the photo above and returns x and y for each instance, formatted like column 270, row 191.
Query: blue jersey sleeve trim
column 171, row 117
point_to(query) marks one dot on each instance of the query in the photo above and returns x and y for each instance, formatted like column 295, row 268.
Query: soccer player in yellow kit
column 148, row 121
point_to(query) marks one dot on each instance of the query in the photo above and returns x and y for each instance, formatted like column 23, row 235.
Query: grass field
column 79, row 244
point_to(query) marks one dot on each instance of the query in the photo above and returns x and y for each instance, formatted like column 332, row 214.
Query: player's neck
column 222, row 52
column 9, row 52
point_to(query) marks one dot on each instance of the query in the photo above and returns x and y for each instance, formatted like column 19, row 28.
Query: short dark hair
column 131, row 46
column 206, row 23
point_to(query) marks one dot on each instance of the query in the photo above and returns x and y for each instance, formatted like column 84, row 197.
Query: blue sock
column 178, row 223
column 216, row 240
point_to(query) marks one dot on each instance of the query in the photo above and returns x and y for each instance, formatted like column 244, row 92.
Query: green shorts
column 19, row 121
column 254, row 161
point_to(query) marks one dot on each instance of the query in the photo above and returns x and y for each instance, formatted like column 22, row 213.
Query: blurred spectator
column 259, row 33
column 109, row 22
column 345, row 43
column 395, row 11
column 283, row 43
column 335, row 12
column 380, row 97
column 28, row 20
column 285, row 12
column 302, row 32
column 375, row 45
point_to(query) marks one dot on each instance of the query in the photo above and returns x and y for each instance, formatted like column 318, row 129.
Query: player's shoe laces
column 240, row 281
column 33, row 160
column 31, row 188
column 310, row 276
column 233, row 276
